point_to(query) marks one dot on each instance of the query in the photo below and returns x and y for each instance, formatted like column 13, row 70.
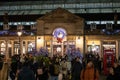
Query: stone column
column 12, row 47
column 6, row 52
column 26, row 47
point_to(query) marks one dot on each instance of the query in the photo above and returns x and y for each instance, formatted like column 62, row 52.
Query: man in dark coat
column 26, row 73
column 13, row 70
column 76, row 69
column 116, row 68
column 1, row 63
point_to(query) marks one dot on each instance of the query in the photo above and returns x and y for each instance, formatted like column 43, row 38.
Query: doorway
column 60, row 49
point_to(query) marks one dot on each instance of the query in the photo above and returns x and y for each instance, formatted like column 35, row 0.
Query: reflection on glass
column 31, row 46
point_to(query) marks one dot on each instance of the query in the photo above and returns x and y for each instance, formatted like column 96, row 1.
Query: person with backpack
column 89, row 73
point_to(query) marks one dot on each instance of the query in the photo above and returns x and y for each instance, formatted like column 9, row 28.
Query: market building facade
column 58, row 31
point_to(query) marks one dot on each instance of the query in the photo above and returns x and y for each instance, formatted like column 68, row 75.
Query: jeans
column 54, row 78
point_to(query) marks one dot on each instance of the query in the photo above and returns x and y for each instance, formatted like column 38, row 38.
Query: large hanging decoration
column 59, row 34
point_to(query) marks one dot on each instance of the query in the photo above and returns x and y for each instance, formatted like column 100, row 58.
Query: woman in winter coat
column 89, row 73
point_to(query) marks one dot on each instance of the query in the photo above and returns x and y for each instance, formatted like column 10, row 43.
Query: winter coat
column 117, row 72
column 89, row 74
column 76, row 70
column 111, row 77
column 64, row 67
column 26, row 74
column 1, row 64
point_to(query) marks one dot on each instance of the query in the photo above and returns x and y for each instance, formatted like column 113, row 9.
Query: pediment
column 59, row 18
column 60, row 14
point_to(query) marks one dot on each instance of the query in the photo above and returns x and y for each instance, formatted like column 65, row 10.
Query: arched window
column 2, row 48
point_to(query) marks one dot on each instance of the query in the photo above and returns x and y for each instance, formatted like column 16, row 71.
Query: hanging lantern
column 5, row 26
column 20, row 27
column 109, row 26
column 33, row 27
column 92, row 26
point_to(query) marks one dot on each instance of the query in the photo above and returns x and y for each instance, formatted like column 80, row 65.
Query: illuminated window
column 3, row 48
column 31, row 46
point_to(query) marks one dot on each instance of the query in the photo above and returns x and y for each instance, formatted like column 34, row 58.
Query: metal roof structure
column 29, row 7
column 26, row 12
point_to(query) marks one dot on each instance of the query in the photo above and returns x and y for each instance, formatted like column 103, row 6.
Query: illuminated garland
column 110, row 32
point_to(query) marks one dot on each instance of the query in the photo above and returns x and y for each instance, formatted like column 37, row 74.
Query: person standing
column 116, row 69
column 13, row 68
column 64, row 68
column 76, row 69
column 54, row 70
column 89, row 73
column 26, row 73
column 1, row 65
column 111, row 75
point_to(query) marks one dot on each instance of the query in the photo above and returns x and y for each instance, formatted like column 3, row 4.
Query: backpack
column 56, row 69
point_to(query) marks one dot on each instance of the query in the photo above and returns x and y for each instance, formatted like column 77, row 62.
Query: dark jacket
column 52, row 69
column 26, row 74
column 111, row 77
column 1, row 64
column 76, row 70
column 117, row 72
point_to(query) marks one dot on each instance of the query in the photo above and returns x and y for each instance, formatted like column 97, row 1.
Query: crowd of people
column 27, row 67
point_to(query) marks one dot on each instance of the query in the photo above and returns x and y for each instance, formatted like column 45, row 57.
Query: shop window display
column 95, row 49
